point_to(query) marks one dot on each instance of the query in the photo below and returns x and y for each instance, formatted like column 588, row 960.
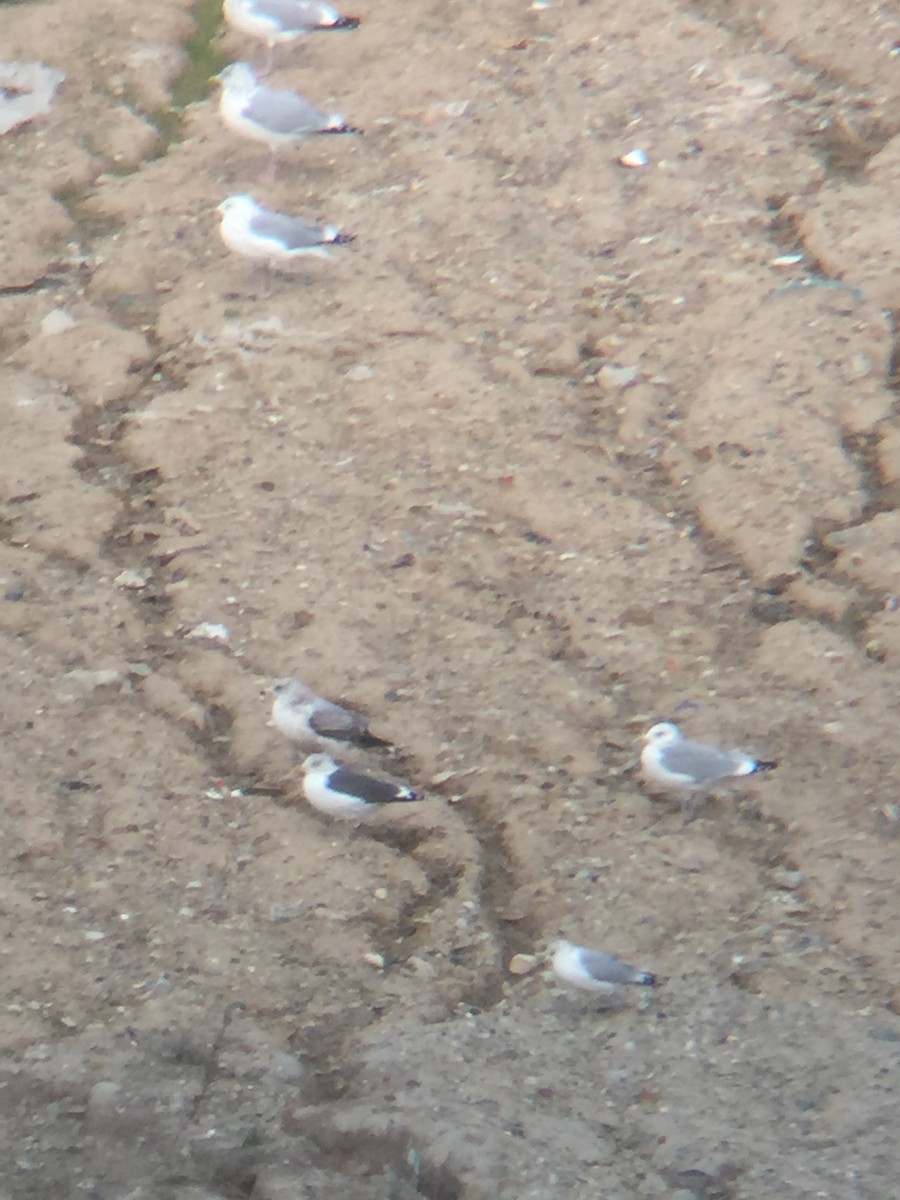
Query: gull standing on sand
column 673, row 763
column 340, row 792
column 275, row 238
column 276, row 21
column 314, row 722
column 595, row 970
column 271, row 115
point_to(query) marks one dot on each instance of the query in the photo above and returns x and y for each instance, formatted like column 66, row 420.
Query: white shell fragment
column 57, row 320
column 26, row 91
column 132, row 580
column 787, row 260
column 210, row 631
column 634, row 158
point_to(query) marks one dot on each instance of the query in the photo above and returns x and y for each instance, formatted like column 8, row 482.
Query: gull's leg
column 688, row 808
column 268, row 176
column 270, row 60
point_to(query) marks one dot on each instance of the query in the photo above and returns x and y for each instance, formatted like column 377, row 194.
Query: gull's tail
column 344, row 23
column 341, row 239
column 369, row 741
column 761, row 767
column 404, row 796
column 342, row 129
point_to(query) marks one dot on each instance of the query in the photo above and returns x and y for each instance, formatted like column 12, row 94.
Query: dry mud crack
column 556, row 445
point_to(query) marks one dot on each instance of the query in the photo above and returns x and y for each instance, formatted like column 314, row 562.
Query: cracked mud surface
column 553, row 446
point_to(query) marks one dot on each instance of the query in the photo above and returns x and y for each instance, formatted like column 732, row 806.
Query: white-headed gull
column 276, row 21
column 314, row 722
column 673, row 763
column 595, row 970
column 272, row 115
column 274, row 238
column 342, row 792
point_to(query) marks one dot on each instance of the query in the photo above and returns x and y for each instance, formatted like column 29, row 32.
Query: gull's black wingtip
column 764, row 766
column 341, row 129
column 368, row 741
column 646, row 979
column 346, row 23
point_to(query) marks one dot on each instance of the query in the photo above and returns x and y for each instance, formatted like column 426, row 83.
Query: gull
column 313, row 722
column 671, row 762
column 256, row 232
column 275, row 21
column 595, row 970
column 270, row 115
column 340, row 792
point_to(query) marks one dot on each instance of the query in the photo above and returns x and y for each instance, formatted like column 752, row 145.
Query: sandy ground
column 552, row 447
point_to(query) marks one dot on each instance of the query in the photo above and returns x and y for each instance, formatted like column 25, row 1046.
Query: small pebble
column 787, row 880
column 522, row 964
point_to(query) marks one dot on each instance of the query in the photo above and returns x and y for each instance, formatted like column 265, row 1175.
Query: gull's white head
column 319, row 762
column 238, row 206
column 558, row 944
column 290, row 689
column 238, row 78
column 662, row 734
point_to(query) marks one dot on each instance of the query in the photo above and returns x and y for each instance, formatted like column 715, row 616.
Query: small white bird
column 276, row 21
column 595, row 970
column 314, row 722
column 274, row 116
column 673, row 763
column 275, row 238
column 340, row 792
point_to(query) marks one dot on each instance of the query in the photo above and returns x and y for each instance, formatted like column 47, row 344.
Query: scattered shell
column 209, row 630
column 103, row 1096
column 56, row 321
column 104, row 677
column 26, row 91
column 360, row 373
column 522, row 964
column 786, row 260
column 131, row 579
column 634, row 158
column 374, row 960
column 613, row 375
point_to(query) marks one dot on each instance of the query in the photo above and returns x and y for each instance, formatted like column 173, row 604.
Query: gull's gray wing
column 293, row 14
column 700, row 762
column 607, row 967
column 284, row 112
column 331, row 720
column 291, row 232
column 363, row 787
